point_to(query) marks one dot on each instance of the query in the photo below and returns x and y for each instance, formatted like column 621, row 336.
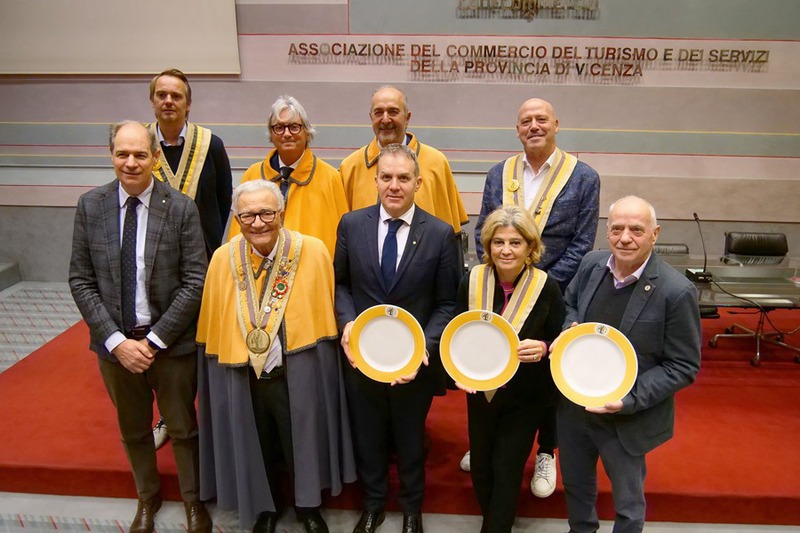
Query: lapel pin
column 414, row 243
column 647, row 287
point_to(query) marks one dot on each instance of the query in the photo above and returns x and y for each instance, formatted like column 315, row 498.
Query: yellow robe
column 316, row 199
column 438, row 194
column 309, row 317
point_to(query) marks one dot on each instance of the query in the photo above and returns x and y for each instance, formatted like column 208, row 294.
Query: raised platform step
column 9, row 274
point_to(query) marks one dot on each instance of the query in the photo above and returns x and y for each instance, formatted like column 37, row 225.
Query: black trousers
column 274, row 425
column 501, row 434
column 386, row 418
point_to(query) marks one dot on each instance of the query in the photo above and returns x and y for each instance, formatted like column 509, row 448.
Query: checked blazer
column 175, row 263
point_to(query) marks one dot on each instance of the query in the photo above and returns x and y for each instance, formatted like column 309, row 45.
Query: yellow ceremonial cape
column 309, row 317
column 438, row 194
column 316, row 199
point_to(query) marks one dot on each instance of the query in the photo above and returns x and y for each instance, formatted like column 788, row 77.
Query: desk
column 762, row 287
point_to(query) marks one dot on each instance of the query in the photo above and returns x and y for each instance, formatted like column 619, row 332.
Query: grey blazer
column 175, row 260
column 662, row 321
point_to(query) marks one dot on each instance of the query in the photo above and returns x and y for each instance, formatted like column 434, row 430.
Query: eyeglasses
column 279, row 129
column 249, row 218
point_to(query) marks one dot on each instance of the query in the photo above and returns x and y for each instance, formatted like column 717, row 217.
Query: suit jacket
column 174, row 257
column 571, row 227
column 425, row 283
column 662, row 321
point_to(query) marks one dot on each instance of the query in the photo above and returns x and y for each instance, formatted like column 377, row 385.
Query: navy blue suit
column 425, row 285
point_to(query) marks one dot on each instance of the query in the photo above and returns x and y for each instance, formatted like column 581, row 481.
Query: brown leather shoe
column 146, row 511
column 197, row 518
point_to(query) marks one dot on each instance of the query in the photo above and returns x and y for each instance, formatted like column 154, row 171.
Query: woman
column 503, row 423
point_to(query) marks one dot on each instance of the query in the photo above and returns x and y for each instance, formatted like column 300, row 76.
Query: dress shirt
column 142, row 303
column 533, row 180
column 293, row 166
column 276, row 348
column 402, row 231
column 631, row 278
column 181, row 136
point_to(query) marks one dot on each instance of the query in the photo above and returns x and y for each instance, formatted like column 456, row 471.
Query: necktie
column 286, row 172
column 128, row 262
column 389, row 253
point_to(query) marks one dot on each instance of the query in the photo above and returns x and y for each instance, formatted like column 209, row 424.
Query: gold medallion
column 258, row 341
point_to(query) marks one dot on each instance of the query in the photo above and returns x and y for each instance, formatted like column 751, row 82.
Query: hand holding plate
column 402, row 380
column 465, row 389
column 346, row 343
column 553, row 345
column 607, row 409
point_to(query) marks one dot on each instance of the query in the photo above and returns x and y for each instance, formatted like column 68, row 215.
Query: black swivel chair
column 671, row 248
column 743, row 248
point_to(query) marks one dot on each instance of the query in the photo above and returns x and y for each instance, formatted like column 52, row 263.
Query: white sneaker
column 543, row 483
column 160, row 435
column 464, row 464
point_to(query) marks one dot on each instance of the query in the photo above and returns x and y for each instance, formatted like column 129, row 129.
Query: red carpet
column 733, row 460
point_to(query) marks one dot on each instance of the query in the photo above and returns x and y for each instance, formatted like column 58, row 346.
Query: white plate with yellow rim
column 386, row 343
column 593, row 364
column 479, row 350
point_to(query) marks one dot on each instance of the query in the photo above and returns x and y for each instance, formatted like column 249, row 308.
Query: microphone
column 695, row 274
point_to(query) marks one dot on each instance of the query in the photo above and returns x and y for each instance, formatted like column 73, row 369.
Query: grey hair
column 633, row 197
column 254, row 186
column 296, row 112
column 114, row 129
column 401, row 150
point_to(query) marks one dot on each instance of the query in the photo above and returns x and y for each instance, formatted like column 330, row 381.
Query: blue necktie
column 389, row 254
column 286, row 172
column 128, row 265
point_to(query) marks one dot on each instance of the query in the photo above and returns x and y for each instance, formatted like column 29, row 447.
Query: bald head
column 390, row 115
column 632, row 233
column 537, row 126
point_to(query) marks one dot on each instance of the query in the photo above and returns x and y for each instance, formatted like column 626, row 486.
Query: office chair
column 671, row 248
column 743, row 249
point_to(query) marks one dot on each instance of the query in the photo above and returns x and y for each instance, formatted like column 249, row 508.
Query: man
column 136, row 274
column 192, row 161
column 563, row 194
column 270, row 381
column 438, row 194
column 310, row 187
column 655, row 307
column 394, row 253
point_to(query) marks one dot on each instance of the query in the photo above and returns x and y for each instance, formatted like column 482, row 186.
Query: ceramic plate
column 479, row 350
column 593, row 364
column 386, row 343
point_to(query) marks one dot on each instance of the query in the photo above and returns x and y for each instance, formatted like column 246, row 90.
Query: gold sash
column 555, row 180
column 195, row 150
column 265, row 313
column 527, row 291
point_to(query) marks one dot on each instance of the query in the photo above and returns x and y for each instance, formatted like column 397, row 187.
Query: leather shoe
column 266, row 522
column 197, row 519
column 369, row 522
column 312, row 521
column 412, row 523
column 146, row 511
